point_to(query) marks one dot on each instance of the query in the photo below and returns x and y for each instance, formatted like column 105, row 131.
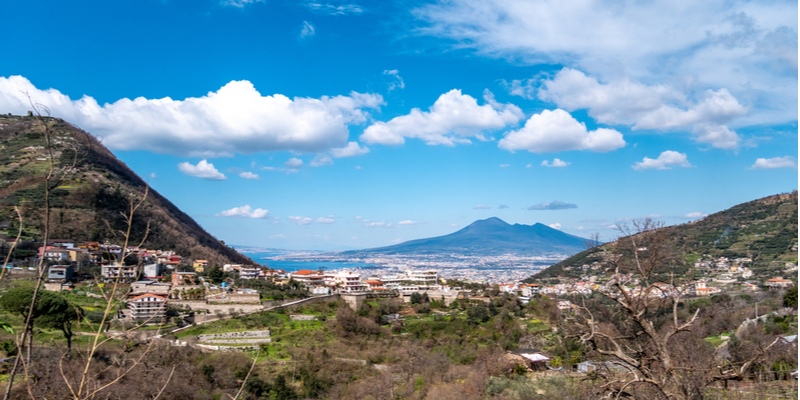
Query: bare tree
column 661, row 356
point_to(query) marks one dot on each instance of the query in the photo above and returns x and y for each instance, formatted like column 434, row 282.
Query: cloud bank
column 660, row 107
column 453, row 118
column 555, row 131
column 234, row 119
column 666, row 160
column 748, row 48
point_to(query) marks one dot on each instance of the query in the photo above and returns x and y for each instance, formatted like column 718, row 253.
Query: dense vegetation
column 764, row 230
column 95, row 188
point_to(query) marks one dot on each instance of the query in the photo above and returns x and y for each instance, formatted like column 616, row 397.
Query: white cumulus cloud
column 301, row 220
column 325, row 220
column 407, row 222
column 244, row 212
column 294, row 164
column 555, row 226
column 249, row 175
column 748, row 48
column 666, row 160
column 775, row 162
column 234, row 119
column 556, row 163
column 453, row 118
column 555, row 131
column 203, row 169
column 351, row 150
column 623, row 102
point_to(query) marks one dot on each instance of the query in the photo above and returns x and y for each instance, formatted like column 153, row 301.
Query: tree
column 51, row 310
column 790, row 297
column 643, row 330
column 215, row 274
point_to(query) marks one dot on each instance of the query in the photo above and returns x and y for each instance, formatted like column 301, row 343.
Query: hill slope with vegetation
column 763, row 230
column 93, row 190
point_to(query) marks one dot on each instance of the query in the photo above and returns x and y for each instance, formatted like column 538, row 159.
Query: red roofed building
column 151, row 308
column 778, row 283
column 308, row 277
column 374, row 284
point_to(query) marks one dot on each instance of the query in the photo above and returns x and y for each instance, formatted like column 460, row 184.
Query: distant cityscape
column 486, row 269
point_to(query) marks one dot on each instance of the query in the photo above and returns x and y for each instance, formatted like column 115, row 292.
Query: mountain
column 95, row 189
column 764, row 230
column 489, row 237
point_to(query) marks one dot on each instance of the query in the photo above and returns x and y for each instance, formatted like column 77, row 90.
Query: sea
column 293, row 266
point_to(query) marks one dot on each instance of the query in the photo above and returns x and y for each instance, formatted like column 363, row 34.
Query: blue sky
column 332, row 125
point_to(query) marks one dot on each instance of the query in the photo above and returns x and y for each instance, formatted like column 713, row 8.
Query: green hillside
column 87, row 203
column 764, row 230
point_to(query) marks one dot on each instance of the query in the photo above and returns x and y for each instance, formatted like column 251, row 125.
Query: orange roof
column 149, row 295
column 373, row 282
column 777, row 280
column 304, row 272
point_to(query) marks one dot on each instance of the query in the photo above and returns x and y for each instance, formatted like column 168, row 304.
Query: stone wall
column 235, row 335
column 196, row 305
column 354, row 300
column 237, row 298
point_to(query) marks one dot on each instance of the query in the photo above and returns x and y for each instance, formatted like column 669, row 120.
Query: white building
column 115, row 270
column 249, row 271
column 148, row 307
column 346, row 281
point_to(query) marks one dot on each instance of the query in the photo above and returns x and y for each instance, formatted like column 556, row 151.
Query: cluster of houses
column 346, row 281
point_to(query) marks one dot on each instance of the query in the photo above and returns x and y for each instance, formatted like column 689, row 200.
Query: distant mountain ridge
column 490, row 237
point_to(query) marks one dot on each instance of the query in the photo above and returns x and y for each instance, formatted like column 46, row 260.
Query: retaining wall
column 238, row 341
column 235, row 335
column 225, row 308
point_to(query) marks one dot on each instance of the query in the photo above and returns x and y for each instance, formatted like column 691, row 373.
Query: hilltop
column 86, row 205
column 763, row 231
column 489, row 237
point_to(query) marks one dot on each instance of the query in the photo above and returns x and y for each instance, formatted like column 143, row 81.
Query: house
column 231, row 267
column 249, row 271
column 153, row 270
column 373, row 283
column 424, row 278
column 778, row 282
column 149, row 308
column 533, row 358
column 308, row 277
column 184, row 278
column 347, row 281
column 54, row 253
column 60, row 273
column 114, row 271
column 200, row 265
